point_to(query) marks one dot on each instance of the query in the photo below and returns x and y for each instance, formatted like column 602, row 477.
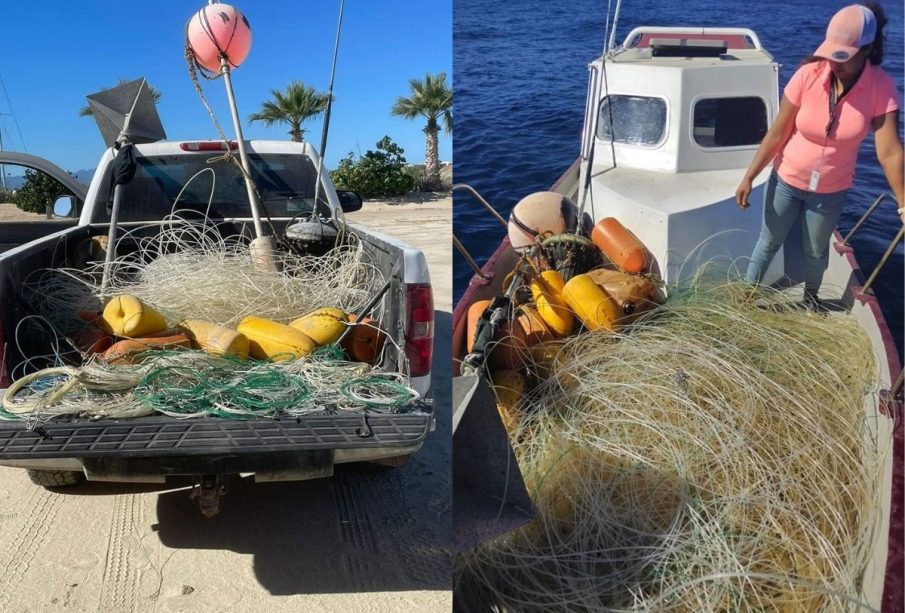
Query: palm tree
column 432, row 99
column 298, row 104
column 85, row 111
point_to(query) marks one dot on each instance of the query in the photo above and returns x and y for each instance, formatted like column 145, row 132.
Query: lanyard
column 831, row 104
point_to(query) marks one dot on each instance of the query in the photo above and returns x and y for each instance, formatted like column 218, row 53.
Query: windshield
column 285, row 183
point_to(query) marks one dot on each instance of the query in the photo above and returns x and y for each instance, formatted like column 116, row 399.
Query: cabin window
column 729, row 122
column 633, row 120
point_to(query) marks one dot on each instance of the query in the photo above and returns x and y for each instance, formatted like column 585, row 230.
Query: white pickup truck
column 64, row 451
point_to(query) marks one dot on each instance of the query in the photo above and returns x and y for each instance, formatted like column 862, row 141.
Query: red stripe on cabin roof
column 733, row 41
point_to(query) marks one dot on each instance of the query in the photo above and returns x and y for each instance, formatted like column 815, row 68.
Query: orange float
column 364, row 342
column 471, row 321
column 92, row 340
column 620, row 246
column 508, row 348
column 632, row 294
column 122, row 351
column 533, row 327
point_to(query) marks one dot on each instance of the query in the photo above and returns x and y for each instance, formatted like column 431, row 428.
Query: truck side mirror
column 349, row 201
column 63, row 206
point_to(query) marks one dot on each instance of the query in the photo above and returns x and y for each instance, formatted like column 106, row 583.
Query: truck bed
column 207, row 443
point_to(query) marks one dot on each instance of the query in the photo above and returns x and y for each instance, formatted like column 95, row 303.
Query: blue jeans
column 783, row 204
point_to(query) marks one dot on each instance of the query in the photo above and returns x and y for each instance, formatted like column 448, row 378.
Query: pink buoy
column 216, row 29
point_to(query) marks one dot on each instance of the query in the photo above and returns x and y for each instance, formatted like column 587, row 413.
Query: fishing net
column 714, row 456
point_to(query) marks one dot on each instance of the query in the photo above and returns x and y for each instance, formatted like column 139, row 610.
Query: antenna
column 326, row 130
column 615, row 23
column 2, row 169
column 12, row 113
column 600, row 84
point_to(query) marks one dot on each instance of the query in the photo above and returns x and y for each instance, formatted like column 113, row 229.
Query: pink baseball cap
column 850, row 29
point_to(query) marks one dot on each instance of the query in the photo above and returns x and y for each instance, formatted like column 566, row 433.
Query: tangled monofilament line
column 189, row 271
column 714, row 457
column 191, row 384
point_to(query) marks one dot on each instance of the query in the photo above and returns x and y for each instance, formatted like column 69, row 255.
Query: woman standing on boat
column 828, row 106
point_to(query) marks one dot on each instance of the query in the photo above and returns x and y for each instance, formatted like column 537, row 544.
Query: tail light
column 419, row 327
column 210, row 145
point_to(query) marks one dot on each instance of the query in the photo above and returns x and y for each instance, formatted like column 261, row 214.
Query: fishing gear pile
column 710, row 453
column 187, row 326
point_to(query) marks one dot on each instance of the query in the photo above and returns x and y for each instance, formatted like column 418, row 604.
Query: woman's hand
column 742, row 193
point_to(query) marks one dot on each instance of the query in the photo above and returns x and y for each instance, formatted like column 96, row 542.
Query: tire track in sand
column 120, row 583
column 354, row 524
column 41, row 510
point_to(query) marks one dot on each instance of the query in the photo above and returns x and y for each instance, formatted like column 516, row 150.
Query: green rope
column 223, row 390
column 329, row 353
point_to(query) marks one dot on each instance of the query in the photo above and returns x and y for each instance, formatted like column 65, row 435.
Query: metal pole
column 111, row 237
column 867, row 213
column 470, row 260
column 243, row 156
column 326, row 129
column 884, row 259
column 599, row 86
column 481, row 200
column 365, row 311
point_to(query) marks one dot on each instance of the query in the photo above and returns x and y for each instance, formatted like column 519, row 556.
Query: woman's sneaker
column 812, row 303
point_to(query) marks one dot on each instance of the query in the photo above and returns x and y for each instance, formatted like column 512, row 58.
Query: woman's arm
column 889, row 152
column 775, row 139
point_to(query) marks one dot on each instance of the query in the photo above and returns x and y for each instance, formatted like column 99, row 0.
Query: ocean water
column 520, row 80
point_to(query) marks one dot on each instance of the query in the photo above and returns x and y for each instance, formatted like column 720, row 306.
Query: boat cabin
column 673, row 118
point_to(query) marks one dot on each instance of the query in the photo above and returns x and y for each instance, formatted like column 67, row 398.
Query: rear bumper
column 152, row 447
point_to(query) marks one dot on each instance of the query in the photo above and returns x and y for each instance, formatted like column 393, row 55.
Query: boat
column 672, row 119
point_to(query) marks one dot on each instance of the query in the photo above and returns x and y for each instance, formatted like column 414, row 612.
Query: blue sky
column 55, row 53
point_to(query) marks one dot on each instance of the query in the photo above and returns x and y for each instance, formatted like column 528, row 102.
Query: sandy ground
column 10, row 212
column 423, row 221
column 365, row 540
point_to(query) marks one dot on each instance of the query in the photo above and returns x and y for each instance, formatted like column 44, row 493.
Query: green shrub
column 376, row 174
column 38, row 192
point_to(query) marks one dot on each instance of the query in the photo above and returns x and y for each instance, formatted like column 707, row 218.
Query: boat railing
column 458, row 244
column 733, row 34
column 889, row 250
column 481, row 200
column 468, row 259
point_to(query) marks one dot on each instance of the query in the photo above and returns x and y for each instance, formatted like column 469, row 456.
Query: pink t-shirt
column 809, row 148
